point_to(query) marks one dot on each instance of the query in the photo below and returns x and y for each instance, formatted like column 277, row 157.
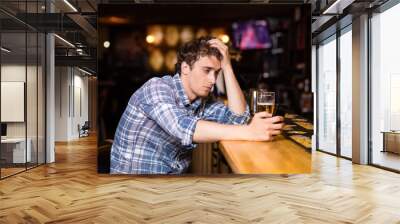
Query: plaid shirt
column 154, row 135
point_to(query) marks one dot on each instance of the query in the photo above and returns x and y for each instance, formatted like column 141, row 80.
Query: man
column 167, row 116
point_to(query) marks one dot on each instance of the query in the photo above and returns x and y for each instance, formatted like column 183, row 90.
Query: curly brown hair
column 191, row 51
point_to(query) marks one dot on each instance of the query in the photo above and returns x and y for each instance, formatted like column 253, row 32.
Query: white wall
column 12, row 73
column 33, row 126
column 61, row 103
column 71, row 92
column 80, row 84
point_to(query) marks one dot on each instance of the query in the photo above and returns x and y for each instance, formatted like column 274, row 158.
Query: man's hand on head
column 236, row 99
column 224, row 50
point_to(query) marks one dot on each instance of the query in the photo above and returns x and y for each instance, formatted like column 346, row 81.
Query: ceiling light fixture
column 337, row 7
column 65, row 41
column 70, row 5
column 84, row 71
column 5, row 49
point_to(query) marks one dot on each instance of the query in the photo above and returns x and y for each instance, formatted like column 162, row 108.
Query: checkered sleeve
column 218, row 112
column 159, row 104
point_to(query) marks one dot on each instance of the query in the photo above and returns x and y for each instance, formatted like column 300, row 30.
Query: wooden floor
column 70, row 191
column 387, row 159
column 5, row 172
column 10, row 171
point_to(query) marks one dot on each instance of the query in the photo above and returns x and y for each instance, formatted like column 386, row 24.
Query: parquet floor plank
column 71, row 191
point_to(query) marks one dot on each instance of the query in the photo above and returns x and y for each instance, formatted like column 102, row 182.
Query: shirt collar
column 182, row 95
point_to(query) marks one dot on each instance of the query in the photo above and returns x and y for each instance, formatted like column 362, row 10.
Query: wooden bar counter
column 280, row 156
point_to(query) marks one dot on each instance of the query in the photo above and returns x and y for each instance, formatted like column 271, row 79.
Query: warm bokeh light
column 171, row 35
column 218, row 31
column 224, row 38
column 170, row 60
column 113, row 20
column 187, row 34
column 157, row 32
column 106, row 44
column 150, row 39
column 156, row 60
column 201, row 32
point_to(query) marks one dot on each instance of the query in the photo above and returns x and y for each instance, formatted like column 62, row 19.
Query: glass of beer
column 265, row 101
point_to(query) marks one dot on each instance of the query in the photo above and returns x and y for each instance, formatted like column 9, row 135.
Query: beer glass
column 265, row 101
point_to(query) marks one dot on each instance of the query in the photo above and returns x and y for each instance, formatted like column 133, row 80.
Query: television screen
column 252, row 34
